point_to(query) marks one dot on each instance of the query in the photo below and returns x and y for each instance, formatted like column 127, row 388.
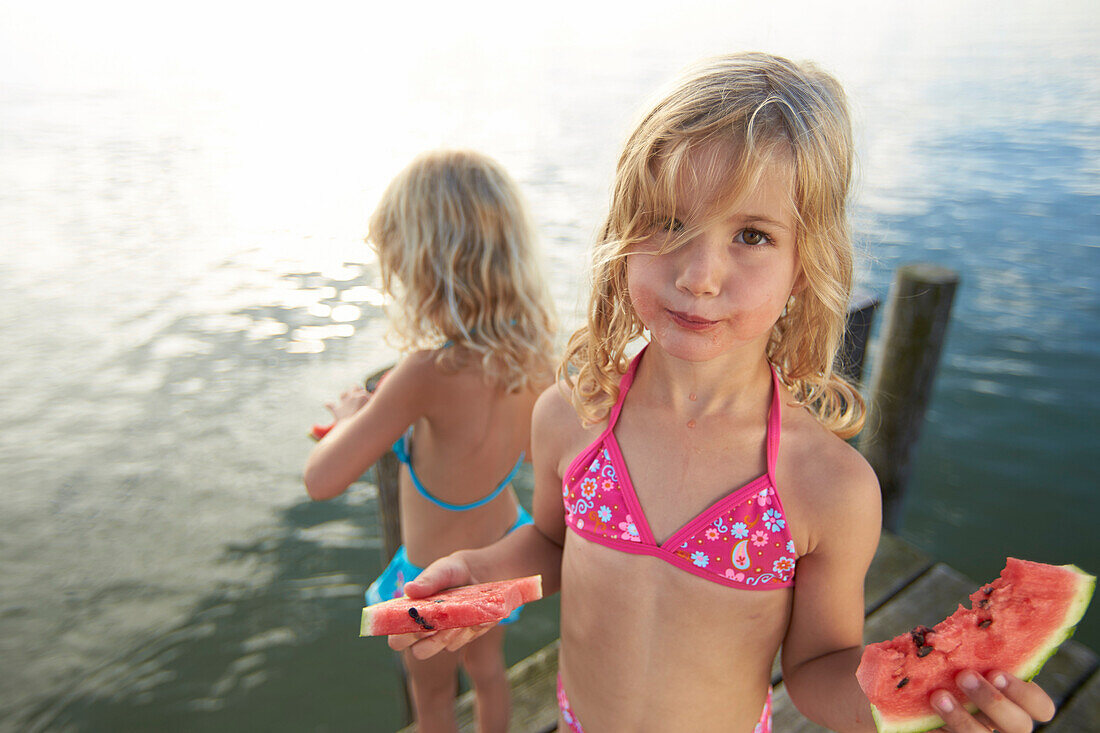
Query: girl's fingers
column 400, row 642
column 1006, row 715
column 422, row 645
column 1027, row 695
column 429, row 647
column 440, row 575
column 955, row 715
column 1005, row 704
column 429, row 643
column 468, row 635
column 446, row 640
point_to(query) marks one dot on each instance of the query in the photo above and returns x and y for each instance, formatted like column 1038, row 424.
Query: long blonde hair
column 457, row 253
column 766, row 112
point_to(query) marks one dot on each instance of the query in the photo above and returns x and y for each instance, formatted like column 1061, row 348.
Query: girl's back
column 471, row 437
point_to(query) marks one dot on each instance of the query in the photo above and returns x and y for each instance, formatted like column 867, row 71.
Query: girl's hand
column 1005, row 703
column 350, row 402
column 446, row 572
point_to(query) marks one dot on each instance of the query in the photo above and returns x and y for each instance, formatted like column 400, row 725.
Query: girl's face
column 727, row 285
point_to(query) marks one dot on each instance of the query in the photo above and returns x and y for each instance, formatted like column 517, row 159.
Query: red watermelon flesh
column 319, row 431
column 1014, row 623
column 454, row 608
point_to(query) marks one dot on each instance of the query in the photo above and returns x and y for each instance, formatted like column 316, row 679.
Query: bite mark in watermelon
column 454, row 608
column 1015, row 624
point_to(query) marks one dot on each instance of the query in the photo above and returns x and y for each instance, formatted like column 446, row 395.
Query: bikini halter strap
column 624, row 385
column 774, row 416
column 774, row 422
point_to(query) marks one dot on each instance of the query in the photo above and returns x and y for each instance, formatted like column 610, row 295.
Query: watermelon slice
column 319, row 431
column 1015, row 624
column 454, row 608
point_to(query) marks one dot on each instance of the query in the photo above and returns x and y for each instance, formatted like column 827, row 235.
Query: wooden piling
column 902, row 374
column 857, row 332
column 386, row 471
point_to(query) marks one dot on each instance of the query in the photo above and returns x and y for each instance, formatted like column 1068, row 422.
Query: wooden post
column 389, row 518
column 386, row 471
column 389, row 511
column 901, row 381
column 861, row 314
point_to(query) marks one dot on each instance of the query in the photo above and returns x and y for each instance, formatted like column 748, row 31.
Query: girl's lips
column 690, row 322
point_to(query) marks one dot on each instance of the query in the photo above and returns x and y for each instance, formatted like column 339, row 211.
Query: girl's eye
column 753, row 237
column 672, row 225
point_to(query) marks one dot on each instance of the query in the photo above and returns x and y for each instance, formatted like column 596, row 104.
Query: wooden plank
column 1066, row 671
column 896, row 564
column 1082, row 713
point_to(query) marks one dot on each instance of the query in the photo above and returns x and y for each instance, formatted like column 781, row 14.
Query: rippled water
column 185, row 284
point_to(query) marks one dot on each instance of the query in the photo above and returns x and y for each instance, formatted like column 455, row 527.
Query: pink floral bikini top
column 742, row 540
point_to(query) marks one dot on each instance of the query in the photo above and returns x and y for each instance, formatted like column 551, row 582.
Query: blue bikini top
column 401, row 449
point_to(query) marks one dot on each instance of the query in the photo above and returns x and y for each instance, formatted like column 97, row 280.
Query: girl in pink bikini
column 697, row 503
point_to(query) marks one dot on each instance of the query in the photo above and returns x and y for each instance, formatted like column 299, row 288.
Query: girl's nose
column 699, row 270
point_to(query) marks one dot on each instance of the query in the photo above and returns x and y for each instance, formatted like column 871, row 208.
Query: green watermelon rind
column 1026, row 671
column 1076, row 611
column 913, row 725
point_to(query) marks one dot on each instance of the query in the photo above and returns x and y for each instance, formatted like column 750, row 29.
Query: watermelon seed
column 984, row 603
column 903, row 683
column 985, row 624
column 924, row 651
column 918, row 632
column 420, row 620
column 987, row 589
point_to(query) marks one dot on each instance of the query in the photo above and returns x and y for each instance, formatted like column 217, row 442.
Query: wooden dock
column 904, row 588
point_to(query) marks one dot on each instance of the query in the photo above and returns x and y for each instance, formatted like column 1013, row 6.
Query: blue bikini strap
column 400, row 449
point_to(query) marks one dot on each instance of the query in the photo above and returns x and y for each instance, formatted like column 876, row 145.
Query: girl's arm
column 358, row 440
column 824, row 638
column 823, row 644
column 534, row 549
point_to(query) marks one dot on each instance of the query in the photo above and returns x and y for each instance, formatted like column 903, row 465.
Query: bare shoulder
column 554, row 417
column 423, row 370
column 557, row 428
column 553, row 406
column 418, row 365
column 829, row 483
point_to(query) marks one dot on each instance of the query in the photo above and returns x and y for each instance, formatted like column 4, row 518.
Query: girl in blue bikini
column 695, row 500
column 457, row 254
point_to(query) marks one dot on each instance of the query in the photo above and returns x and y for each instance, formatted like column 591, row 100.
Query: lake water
column 182, row 200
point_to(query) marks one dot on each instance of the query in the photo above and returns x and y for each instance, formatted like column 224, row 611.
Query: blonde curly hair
column 766, row 112
column 457, row 253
